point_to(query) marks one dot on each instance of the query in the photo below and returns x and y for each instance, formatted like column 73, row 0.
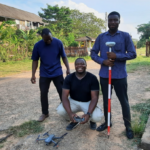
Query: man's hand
column 67, row 72
column 33, row 79
column 72, row 115
column 86, row 118
column 111, row 55
column 108, row 62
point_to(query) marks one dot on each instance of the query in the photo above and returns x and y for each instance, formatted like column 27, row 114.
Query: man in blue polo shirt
column 49, row 50
column 122, row 51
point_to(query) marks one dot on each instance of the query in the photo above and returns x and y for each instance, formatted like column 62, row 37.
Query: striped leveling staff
column 109, row 44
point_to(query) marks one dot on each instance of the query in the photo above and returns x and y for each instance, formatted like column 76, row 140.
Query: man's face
column 80, row 66
column 113, row 22
column 47, row 38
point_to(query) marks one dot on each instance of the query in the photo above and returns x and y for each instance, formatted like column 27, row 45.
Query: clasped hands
column 111, row 58
column 85, row 116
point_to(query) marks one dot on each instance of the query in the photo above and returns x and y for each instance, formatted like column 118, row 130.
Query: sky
column 133, row 12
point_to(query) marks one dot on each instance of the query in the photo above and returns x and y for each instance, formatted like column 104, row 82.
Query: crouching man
column 83, row 88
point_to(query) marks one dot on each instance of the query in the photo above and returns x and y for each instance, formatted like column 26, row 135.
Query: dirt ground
column 20, row 102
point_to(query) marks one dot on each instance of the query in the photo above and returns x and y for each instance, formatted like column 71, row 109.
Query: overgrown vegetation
column 30, row 127
column 140, row 120
column 144, row 30
column 65, row 24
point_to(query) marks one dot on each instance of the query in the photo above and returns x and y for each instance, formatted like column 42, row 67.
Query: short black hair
column 45, row 31
column 80, row 58
column 114, row 13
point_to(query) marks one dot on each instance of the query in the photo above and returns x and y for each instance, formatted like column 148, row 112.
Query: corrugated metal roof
column 18, row 14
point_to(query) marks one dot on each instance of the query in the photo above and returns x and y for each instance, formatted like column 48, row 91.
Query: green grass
column 1, row 146
column 26, row 128
column 140, row 62
column 147, row 89
column 15, row 67
column 139, row 121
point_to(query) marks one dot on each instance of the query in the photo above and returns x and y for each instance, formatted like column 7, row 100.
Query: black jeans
column 120, row 87
column 44, row 84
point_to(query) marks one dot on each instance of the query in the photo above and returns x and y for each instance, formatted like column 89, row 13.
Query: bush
column 74, row 44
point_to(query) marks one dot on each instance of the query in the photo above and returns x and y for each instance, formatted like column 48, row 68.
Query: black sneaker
column 93, row 125
column 72, row 125
column 103, row 127
column 129, row 133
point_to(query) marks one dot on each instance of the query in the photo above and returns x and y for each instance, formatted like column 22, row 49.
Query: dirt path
column 19, row 102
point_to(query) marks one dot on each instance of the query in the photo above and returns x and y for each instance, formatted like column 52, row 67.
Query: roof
column 86, row 38
column 18, row 14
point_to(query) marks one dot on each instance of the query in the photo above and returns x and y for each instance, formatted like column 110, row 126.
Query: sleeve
column 66, row 84
column 35, row 54
column 95, row 50
column 129, row 46
column 62, row 51
column 94, row 84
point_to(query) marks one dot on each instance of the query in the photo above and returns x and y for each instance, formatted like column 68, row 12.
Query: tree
column 144, row 30
column 57, row 16
column 86, row 24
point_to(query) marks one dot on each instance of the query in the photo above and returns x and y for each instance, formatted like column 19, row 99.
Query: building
column 24, row 20
column 86, row 42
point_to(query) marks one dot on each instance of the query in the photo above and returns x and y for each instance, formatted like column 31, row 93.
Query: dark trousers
column 120, row 87
column 44, row 84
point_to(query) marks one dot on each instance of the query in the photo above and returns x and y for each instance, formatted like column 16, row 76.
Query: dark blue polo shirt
column 49, row 55
column 124, row 50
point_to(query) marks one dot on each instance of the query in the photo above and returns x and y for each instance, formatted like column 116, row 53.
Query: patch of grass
column 140, row 62
column 147, row 89
column 26, row 128
column 15, row 67
column 1, row 146
column 139, row 121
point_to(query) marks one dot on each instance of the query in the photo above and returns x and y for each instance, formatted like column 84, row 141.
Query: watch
column 88, row 114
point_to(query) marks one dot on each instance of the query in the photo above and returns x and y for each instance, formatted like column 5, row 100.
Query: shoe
column 129, row 133
column 93, row 125
column 103, row 127
column 72, row 125
column 43, row 117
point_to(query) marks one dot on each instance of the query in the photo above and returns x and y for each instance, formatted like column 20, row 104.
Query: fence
column 148, row 49
column 76, row 51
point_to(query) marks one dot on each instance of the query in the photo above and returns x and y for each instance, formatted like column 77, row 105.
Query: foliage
column 26, row 128
column 144, row 30
column 60, row 16
column 16, row 44
column 74, row 44
column 139, row 124
column 86, row 24
column 10, row 22
column 135, row 41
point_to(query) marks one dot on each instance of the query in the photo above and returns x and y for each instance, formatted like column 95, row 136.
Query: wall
column 76, row 51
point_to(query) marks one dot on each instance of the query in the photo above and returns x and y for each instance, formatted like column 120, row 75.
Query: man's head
column 47, row 36
column 113, row 20
column 80, row 65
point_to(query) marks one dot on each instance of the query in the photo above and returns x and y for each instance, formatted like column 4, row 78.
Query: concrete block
column 145, row 142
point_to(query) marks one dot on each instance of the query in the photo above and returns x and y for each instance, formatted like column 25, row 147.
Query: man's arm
column 94, row 54
column 95, row 50
column 65, row 61
column 93, row 103
column 34, row 67
column 66, row 104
